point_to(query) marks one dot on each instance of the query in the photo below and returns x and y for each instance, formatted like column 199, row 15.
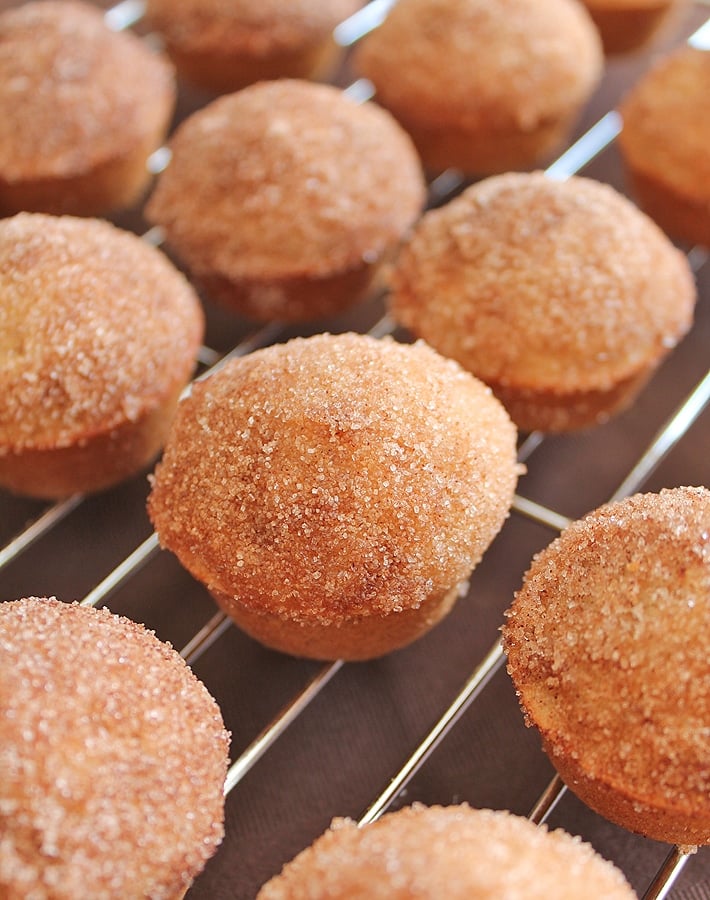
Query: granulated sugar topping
column 113, row 758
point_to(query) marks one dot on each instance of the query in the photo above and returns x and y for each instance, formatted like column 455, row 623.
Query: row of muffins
column 102, row 765
column 77, row 132
column 334, row 426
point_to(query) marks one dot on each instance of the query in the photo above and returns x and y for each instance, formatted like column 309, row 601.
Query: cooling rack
column 438, row 721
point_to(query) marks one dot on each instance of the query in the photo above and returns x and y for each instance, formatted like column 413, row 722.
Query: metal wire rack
column 314, row 741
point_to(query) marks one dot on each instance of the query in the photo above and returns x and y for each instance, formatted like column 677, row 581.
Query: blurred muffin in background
column 483, row 86
column 81, row 110
column 665, row 143
column 222, row 47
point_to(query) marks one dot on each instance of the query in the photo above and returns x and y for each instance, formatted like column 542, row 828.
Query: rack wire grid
column 437, row 722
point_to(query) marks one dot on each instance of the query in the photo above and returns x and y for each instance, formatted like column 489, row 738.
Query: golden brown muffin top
column 256, row 27
column 73, row 93
column 531, row 282
column 455, row 852
column 96, row 328
column 287, row 178
column 607, row 646
column 335, row 477
column 113, row 758
column 493, row 63
column 666, row 129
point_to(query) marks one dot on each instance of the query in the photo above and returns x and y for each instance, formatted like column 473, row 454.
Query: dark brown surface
column 344, row 749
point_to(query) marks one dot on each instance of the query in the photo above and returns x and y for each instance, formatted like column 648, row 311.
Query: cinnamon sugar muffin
column 607, row 646
column 113, row 758
column 626, row 25
column 335, row 492
column 483, row 86
column 81, row 109
column 665, row 143
column 99, row 334
column 226, row 46
column 284, row 198
column 561, row 296
column 455, row 852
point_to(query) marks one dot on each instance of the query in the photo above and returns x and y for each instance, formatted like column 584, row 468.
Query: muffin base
column 114, row 184
column 355, row 639
column 293, row 299
column 220, row 72
column 655, row 821
column 484, row 151
column 552, row 411
column 98, row 462
column 625, row 30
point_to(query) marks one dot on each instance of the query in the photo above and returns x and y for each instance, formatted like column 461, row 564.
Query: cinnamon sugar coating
column 665, row 143
column 81, row 108
column 560, row 295
column 98, row 335
column 283, row 184
column 536, row 63
column 113, row 757
column 335, row 484
column 455, row 852
column 224, row 46
column 606, row 644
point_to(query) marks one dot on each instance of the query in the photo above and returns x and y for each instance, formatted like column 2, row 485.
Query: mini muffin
column 665, row 143
column 455, row 852
column 561, row 296
column 607, row 646
column 113, row 758
column 335, row 492
column 225, row 46
column 484, row 86
column 99, row 334
column 284, row 198
column 81, row 109
column 626, row 25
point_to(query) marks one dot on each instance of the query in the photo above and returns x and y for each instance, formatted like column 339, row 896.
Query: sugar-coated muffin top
column 499, row 62
column 335, row 477
column 96, row 328
column 73, row 93
column 113, row 758
column 550, row 285
column 287, row 179
column 606, row 643
column 455, row 852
